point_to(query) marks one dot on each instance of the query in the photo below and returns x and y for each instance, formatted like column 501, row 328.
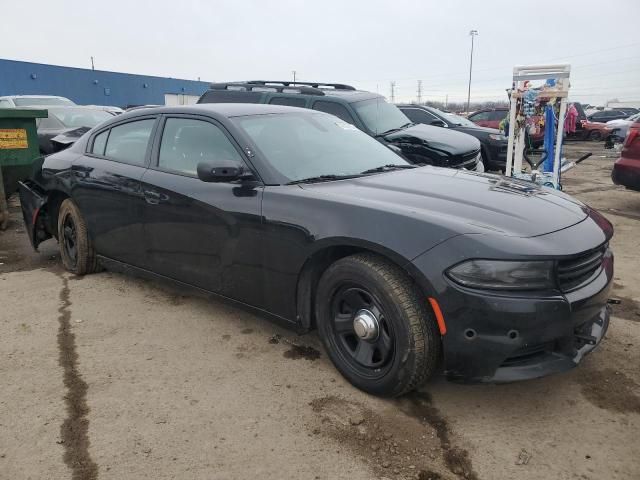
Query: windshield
column 31, row 101
column 303, row 145
column 379, row 116
column 80, row 117
column 455, row 119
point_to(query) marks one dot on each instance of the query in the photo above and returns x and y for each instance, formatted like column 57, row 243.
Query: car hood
column 465, row 202
column 476, row 129
column 447, row 141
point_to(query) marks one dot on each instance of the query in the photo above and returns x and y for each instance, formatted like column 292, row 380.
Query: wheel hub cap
column 365, row 324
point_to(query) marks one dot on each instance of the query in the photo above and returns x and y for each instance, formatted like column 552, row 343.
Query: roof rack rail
column 264, row 87
column 336, row 86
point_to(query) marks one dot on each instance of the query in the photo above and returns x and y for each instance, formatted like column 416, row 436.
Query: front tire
column 76, row 249
column 401, row 348
column 595, row 135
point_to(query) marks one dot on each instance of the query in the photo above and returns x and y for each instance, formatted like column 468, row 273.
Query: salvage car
column 420, row 144
column 626, row 170
column 20, row 101
column 493, row 142
column 403, row 270
column 65, row 125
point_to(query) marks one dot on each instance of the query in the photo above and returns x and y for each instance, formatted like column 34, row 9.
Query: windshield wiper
column 321, row 178
column 387, row 168
column 392, row 130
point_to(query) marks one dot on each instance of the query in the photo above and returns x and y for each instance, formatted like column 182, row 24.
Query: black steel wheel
column 76, row 249
column 375, row 325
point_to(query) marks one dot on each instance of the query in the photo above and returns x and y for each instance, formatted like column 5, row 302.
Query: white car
column 18, row 101
column 623, row 125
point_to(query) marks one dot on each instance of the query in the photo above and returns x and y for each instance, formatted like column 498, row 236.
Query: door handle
column 151, row 197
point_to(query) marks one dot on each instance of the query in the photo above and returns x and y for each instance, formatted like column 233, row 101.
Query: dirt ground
column 112, row 377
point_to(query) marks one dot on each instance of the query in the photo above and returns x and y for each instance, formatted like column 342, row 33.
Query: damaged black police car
column 403, row 270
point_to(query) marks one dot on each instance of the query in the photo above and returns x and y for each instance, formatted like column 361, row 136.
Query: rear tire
column 595, row 135
column 407, row 348
column 76, row 249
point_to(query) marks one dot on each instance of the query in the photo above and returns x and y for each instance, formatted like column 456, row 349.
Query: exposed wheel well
column 55, row 198
column 310, row 275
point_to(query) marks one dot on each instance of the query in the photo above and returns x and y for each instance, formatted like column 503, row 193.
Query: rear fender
column 33, row 200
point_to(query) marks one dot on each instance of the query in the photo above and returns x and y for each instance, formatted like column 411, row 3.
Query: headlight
column 498, row 136
column 499, row 274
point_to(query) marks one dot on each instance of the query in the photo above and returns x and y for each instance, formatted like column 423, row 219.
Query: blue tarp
column 549, row 137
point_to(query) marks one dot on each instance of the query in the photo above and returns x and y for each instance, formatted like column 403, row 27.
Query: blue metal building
column 95, row 87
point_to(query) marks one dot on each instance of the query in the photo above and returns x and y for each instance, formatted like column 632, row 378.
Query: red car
column 626, row 170
column 491, row 117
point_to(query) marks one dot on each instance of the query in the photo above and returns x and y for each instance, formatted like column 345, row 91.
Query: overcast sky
column 367, row 43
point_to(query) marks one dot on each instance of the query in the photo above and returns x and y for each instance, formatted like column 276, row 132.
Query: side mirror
column 438, row 123
column 221, row 171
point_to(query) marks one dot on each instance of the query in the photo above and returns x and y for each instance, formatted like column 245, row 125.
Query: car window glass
column 5, row 104
column 288, row 101
column 187, row 142
column 479, row 117
column 419, row 116
column 99, row 142
column 497, row 115
column 334, row 109
column 50, row 123
column 128, row 142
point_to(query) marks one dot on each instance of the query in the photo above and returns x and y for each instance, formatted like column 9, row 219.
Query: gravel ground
column 112, row 377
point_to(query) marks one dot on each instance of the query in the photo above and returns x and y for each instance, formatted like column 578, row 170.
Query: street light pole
column 473, row 33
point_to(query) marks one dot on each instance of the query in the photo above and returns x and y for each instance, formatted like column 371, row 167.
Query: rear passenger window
column 290, row 102
column 334, row 109
column 99, row 142
column 128, row 142
column 187, row 142
column 479, row 117
column 498, row 115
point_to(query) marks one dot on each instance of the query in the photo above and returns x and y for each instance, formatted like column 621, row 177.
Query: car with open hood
column 493, row 141
column 66, row 124
column 367, row 111
column 405, row 271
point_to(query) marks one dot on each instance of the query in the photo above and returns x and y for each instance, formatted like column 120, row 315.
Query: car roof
column 33, row 96
column 228, row 110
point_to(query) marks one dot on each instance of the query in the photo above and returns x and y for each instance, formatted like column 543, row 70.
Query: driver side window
column 187, row 142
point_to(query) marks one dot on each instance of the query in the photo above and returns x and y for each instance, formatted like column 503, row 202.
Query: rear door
column 107, row 188
column 202, row 234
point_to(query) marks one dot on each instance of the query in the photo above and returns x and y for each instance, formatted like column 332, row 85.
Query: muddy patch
column 74, row 432
column 420, row 406
column 392, row 444
column 247, row 331
column 296, row 352
column 620, row 213
column 610, row 389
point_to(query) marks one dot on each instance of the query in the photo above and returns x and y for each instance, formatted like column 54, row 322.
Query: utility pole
column 393, row 92
column 473, row 33
column 92, row 67
column 419, row 92
column 446, row 101
column 294, row 75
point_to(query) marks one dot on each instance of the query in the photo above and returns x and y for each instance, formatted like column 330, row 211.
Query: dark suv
column 367, row 111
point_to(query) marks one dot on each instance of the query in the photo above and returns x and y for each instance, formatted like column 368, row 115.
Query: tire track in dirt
column 74, row 431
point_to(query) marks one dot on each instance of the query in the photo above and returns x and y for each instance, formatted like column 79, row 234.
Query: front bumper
column 626, row 172
column 503, row 337
column 497, row 154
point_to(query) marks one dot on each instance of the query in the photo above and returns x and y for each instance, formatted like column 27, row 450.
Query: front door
column 203, row 234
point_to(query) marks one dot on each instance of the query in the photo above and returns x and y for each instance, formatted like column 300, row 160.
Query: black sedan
column 403, row 270
column 66, row 124
column 494, row 143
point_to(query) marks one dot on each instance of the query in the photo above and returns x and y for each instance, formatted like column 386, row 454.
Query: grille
column 527, row 354
column 575, row 272
column 468, row 160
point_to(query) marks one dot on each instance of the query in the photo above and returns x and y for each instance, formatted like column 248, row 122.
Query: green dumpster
column 18, row 150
